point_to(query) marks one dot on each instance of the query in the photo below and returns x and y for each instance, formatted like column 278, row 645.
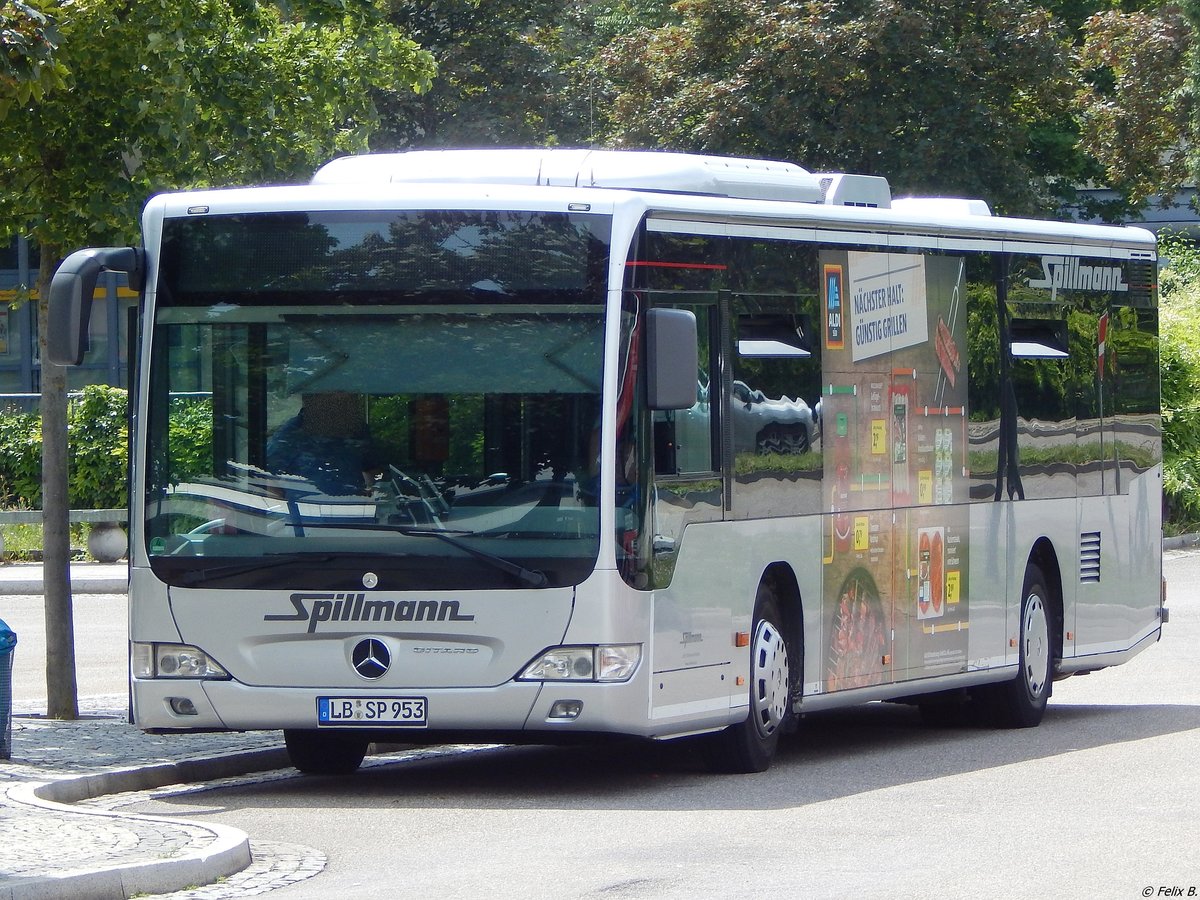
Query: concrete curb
column 1181, row 542
column 95, row 586
column 78, row 586
column 86, row 578
column 142, row 778
column 228, row 853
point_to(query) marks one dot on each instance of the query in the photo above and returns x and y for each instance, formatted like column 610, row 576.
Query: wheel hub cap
column 771, row 677
column 1037, row 646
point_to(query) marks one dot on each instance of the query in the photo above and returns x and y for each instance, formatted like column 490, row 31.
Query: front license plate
column 389, row 712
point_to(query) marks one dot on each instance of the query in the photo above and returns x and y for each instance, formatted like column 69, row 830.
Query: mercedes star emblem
column 371, row 658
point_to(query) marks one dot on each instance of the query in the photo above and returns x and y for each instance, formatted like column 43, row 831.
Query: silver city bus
column 541, row 445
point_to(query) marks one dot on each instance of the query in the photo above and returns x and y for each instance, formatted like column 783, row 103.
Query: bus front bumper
column 532, row 710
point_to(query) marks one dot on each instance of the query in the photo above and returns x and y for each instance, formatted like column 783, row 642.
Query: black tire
column 1021, row 702
column 324, row 752
column 750, row 745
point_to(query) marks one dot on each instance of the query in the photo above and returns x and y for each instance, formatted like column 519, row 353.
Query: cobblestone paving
column 275, row 865
column 45, row 749
column 38, row 841
column 72, row 842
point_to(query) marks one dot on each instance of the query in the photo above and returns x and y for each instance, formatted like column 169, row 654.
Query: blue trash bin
column 8, row 641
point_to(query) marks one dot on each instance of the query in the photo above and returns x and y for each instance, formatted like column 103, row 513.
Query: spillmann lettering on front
column 325, row 607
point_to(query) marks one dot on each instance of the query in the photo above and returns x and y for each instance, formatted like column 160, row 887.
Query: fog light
column 566, row 709
column 182, row 706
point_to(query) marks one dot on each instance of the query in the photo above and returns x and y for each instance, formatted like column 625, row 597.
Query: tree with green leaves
column 498, row 80
column 940, row 97
column 1028, row 104
column 1134, row 103
column 28, row 61
column 157, row 94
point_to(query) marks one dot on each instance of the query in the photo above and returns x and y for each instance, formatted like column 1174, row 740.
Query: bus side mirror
column 71, row 290
column 672, row 357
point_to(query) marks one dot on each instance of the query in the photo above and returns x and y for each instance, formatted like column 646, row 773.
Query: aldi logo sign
column 835, row 338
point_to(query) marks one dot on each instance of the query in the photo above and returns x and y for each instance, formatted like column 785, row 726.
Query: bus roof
column 664, row 185
column 645, row 170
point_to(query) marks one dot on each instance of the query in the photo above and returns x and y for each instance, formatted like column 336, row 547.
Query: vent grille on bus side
column 1089, row 557
column 1142, row 277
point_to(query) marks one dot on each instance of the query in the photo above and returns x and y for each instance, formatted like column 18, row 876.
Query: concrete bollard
column 107, row 542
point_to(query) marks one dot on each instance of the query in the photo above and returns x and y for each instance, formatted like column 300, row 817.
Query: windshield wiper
column 196, row 576
column 532, row 577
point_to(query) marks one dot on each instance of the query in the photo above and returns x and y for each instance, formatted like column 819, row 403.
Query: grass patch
column 23, row 543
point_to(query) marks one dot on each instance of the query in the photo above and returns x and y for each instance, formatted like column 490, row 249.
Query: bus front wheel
column 324, row 752
column 750, row 745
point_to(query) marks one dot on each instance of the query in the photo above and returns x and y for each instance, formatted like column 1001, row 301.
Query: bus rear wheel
column 1021, row 702
column 750, row 745
column 324, row 752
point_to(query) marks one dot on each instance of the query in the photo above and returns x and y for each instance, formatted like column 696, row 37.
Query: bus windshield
column 406, row 398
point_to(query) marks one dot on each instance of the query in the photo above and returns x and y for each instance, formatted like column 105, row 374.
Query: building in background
column 20, row 368
column 1179, row 214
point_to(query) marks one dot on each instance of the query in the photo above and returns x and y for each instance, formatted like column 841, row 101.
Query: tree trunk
column 62, row 695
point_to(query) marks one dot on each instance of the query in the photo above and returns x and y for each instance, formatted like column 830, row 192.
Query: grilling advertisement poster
column 893, row 419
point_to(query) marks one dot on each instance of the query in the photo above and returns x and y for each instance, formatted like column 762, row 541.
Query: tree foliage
column 939, row 97
column 167, row 93
column 28, row 60
column 1134, row 105
column 499, row 82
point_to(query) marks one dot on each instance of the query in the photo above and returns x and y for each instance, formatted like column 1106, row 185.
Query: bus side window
column 684, row 439
column 773, row 410
column 1132, row 367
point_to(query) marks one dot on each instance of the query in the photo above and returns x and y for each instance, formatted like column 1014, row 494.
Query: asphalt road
column 1103, row 800
column 101, row 655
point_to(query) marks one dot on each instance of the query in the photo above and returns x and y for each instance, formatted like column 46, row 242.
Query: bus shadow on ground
column 832, row 755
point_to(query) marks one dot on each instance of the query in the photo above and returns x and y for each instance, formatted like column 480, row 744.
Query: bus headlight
column 173, row 661
column 604, row 662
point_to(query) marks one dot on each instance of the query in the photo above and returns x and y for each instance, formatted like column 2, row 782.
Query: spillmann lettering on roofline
column 324, row 607
column 1066, row 273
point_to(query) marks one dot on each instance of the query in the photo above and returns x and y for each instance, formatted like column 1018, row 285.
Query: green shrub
column 20, row 460
column 97, row 441
column 1179, row 360
column 98, row 436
